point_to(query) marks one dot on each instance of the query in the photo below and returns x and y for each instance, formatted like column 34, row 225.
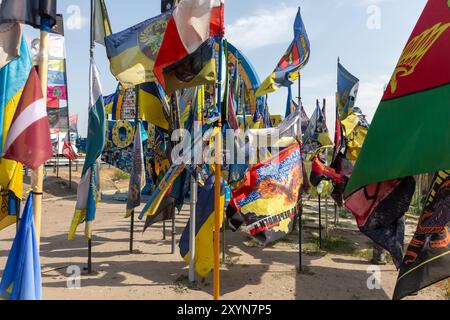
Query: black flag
column 31, row 12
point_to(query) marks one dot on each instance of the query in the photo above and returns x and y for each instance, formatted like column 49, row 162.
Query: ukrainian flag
column 153, row 105
column 204, row 229
column 13, row 78
column 132, row 52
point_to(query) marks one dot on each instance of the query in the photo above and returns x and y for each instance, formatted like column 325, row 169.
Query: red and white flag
column 191, row 24
column 68, row 151
column 28, row 140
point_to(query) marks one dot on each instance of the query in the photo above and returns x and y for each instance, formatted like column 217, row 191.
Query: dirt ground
column 248, row 272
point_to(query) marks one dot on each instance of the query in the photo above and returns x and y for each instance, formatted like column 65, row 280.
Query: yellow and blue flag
column 21, row 279
column 295, row 58
column 102, row 25
column 13, row 78
column 153, row 105
column 132, row 52
column 204, row 229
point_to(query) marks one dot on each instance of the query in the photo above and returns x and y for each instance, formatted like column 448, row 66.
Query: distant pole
column 57, row 155
column 174, row 233
column 69, row 138
column 164, row 230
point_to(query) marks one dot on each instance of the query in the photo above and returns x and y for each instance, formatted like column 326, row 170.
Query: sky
column 367, row 35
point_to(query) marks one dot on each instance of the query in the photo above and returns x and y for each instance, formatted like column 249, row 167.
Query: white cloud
column 264, row 28
column 370, row 94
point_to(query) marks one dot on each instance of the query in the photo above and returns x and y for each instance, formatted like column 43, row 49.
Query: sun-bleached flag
column 28, row 140
column 88, row 193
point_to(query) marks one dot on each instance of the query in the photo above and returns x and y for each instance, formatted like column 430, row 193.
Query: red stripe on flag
column 217, row 25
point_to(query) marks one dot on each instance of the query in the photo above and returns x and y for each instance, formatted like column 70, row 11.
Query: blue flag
column 22, row 276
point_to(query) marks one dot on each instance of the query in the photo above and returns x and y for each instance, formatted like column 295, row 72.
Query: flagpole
column 192, row 230
column 69, row 138
column 218, row 172
column 91, row 55
column 37, row 176
column 136, row 123
column 300, row 210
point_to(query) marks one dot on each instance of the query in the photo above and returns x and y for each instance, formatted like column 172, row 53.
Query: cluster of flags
column 25, row 140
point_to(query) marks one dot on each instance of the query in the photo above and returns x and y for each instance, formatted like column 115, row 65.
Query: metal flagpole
column 37, row 176
column 218, row 183
column 57, row 155
column 192, row 230
column 91, row 53
column 300, row 209
column 69, row 138
column 320, row 223
column 136, row 124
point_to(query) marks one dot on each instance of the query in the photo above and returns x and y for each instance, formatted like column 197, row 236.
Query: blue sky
column 368, row 36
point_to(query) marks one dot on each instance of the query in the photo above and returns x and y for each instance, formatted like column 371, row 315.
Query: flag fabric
column 153, row 204
column 21, row 278
column 28, row 140
column 153, row 105
column 355, row 129
column 88, row 193
column 132, row 52
column 184, row 35
column 410, row 119
column 134, row 189
column 267, row 201
column 166, row 211
column 347, row 92
column 427, row 258
column 316, row 134
column 68, row 152
column 204, row 228
column 379, row 211
column 13, row 78
column 10, row 40
column 295, row 58
column 31, row 12
column 73, row 123
column 195, row 69
column 102, row 25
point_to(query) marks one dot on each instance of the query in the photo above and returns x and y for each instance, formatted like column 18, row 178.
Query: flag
column 166, row 211
column 134, row 189
column 195, row 69
column 355, row 128
column 28, row 140
column 185, row 34
column 427, row 258
column 316, row 134
column 153, row 204
column 73, row 123
column 410, row 119
column 88, row 193
column 347, row 92
column 31, row 12
column 267, row 201
column 153, row 105
column 102, row 25
column 132, row 52
column 68, row 152
column 379, row 211
column 13, row 78
column 10, row 40
column 295, row 58
column 305, row 118
column 21, row 278
column 204, row 228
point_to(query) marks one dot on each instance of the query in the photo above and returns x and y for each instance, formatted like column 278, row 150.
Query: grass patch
column 119, row 175
column 182, row 285
column 337, row 244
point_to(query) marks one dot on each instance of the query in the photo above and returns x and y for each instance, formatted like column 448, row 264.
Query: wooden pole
column 37, row 176
column 218, row 212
